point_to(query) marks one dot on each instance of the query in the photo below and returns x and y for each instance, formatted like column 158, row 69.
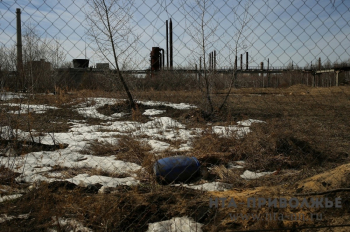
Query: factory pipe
column 161, row 66
column 19, row 41
column 171, row 44
column 167, row 45
column 246, row 64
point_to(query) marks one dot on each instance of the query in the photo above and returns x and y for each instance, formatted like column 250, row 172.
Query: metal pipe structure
column 171, row 44
column 319, row 63
column 161, row 66
column 19, row 41
column 160, row 60
column 155, row 59
column 200, row 66
column 241, row 61
column 209, row 61
column 214, row 61
column 246, row 64
column 167, row 45
column 268, row 74
column 235, row 67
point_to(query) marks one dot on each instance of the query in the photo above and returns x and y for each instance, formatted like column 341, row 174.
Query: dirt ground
column 305, row 141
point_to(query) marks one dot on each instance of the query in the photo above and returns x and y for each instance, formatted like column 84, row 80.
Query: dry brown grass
column 126, row 148
column 306, row 133
column 7, row 176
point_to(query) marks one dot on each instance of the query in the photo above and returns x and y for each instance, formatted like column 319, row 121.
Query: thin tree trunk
column 120, row 75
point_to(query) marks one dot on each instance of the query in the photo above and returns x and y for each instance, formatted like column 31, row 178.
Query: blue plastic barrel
column 177, row 168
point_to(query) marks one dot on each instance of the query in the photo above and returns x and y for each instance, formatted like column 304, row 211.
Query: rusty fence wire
column 174, row 115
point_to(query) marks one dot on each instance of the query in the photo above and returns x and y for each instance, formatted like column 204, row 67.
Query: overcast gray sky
column 281, row 30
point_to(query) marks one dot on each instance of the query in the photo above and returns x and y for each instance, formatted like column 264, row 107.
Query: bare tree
column 202, row 26
column 201, row 29
column 109, row 28
column 48, row 55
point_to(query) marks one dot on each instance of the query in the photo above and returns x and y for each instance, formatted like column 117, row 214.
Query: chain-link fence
column 174, row 115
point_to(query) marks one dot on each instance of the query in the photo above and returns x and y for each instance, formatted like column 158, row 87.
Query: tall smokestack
column 19, row 40
column 210, row 61
column 246, row 64
column 167, row 45
column 235, row 67
column 241, row 61
column 171, row 44
column 319, row 63
column 214, row 60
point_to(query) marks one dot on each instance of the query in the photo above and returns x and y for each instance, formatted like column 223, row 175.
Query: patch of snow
column 71, row 225
column 163, row 123
column 81, row 135
column 179, row 106
column 232, row 166
column 248, row 175
column 107, row 181
column 4, row 96
column 176, row 224
column 249, row 122
column 6, row 132
column 91, row 112
column 89, row 108
column 158, row 146
column 184, row 147
column 212, row 186
column 119, row 115
column 10, row 197
column 65, row 158
column 55, row 174
column 240, row 162
column 24, row 109
column 228, row 131
column 4, row 217
column 151, row 112
column 239, row 131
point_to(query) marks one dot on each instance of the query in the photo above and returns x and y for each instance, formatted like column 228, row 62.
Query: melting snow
column 4, row 96
column 85, row 179
column 176, row 224
column 248, row 175
column 150, row 112
column 249, row 122
column 70, row 225
column 9, row 197
column 212, row 186
column 180, row 106
column 24, row 108
column 4, row 217
column 37, row 166
column 89, row 108
column 158, row 146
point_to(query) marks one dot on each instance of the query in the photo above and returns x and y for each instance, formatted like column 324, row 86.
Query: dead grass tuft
column 126, row 149
column 7, row 176
column 119, row 107
column 136, row 114
column 270, row 148
column 214, row 150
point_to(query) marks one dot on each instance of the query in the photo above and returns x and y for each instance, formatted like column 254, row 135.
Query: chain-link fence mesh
column 174, row 115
